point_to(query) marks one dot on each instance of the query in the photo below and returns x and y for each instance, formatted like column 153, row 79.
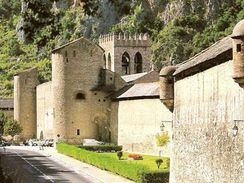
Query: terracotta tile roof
column 6, row 103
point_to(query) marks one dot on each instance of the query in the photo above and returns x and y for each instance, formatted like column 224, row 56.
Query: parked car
column 92, row 142
column 49, row 143
column 5, row 143
column 33, row 142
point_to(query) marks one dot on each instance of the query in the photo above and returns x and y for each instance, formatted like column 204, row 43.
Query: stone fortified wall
column 45, row 112
column 138, row 129
column 205, row 150
column 25, row 101
column 209, row 115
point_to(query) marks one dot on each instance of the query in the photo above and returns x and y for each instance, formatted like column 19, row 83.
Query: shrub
column 158, row 162
column 162, row 139
column 119, row 154
column 102, row 148
column 12, row 127
column 153, row 177
column 135, row 156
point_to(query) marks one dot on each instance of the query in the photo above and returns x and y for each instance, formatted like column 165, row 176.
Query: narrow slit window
column 78, row 132
column 238, row 47
column 74, row 53
column 80, row 96
column 66, row 54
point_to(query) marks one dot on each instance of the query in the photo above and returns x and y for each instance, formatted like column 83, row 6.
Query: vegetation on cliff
column 30, row 29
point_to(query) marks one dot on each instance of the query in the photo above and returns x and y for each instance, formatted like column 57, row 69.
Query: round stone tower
column 167, row 86
column 238, row 52
column 25, row 101
column 75, row 72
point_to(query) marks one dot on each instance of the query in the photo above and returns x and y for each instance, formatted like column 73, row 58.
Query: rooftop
column 133, row 77
column 216, row 54
column 238, row 29
column 6, row 103
column 75, row 41
column 140, row 90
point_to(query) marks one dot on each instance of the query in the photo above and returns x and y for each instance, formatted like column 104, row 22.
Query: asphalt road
column 30, row 167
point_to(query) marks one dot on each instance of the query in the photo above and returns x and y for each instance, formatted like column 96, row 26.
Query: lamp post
column 162, row 126
column 235, row 127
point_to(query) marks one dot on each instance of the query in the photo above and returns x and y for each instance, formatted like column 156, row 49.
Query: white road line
column 46, row 176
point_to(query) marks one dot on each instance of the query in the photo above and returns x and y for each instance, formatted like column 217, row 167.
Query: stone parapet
column 125, row 39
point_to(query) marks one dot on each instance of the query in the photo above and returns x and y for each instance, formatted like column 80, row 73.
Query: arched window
column 104, row 61
column 125, row 63
column 138, row 63
column 109, row 61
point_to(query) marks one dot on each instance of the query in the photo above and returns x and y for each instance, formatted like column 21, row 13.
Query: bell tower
column 125, row 53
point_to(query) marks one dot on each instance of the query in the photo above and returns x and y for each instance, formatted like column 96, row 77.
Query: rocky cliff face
column 168, row 9
column 109, row 14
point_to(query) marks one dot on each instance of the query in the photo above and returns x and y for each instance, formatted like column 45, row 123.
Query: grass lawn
column 148, row 161
column 109, row 161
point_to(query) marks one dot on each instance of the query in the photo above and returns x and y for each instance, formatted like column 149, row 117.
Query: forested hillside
column 30, row 29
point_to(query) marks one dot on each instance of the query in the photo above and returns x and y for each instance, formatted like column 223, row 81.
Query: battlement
column 124, row 38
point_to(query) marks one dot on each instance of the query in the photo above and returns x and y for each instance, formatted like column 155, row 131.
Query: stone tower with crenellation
column 125, row 53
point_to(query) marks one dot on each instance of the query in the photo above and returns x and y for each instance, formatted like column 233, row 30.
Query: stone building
column 208, row 116
column 97, row 91
column 7, row 106
column 139, row 114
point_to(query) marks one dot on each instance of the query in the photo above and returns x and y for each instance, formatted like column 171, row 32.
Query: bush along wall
column 154, row 177
column 102, row 148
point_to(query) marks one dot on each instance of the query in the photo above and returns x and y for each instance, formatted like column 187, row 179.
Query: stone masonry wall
column 25, row 102
column 204, row 148
column 138, row 124
column 45, row 112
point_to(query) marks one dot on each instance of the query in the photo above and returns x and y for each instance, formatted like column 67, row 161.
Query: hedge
column 102, row 148
column 135, row 171
column 154, row 177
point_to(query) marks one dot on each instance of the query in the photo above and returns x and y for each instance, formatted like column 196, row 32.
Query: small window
column 67, row 60
column 109, row 61
column 80, row 96
column 66, row 54
column 238, row 47
column 74, row 53
column 78, row 132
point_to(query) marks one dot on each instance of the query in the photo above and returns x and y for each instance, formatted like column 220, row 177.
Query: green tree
column 12, row 127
